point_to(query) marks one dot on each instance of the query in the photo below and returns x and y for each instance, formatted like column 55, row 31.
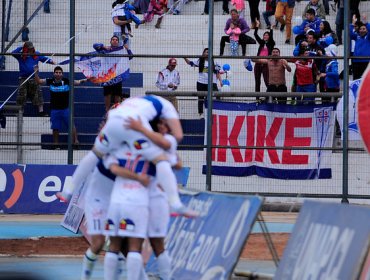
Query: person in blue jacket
column 362, row 48
column 331, row 72
column 27, row 58
column 311, row 22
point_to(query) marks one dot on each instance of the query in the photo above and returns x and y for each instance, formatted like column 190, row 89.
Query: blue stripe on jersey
column 62, row 88
column 139, row 166
column 156, row 103
column 104, row 171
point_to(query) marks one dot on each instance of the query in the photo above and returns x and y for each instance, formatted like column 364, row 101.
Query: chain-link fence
column 183, row 33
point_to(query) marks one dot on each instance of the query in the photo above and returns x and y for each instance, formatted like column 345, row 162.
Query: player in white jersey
column 159, row 211
column 115, row 133
column 97, row 200
column 128, row 214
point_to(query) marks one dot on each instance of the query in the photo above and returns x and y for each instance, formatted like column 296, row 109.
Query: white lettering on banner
column 2, row 180
column 201, row 206
column 272, row 129
column 189, row 248
column 203, row 253
column 323, row 252
column 49, row 184
column 235, row 230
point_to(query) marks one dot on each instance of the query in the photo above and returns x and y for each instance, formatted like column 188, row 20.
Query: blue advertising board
column 329, row 241
column 31, row 188
column 209, row 247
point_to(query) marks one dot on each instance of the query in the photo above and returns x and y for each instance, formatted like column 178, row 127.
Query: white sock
column 88, row 264
column 84, row 168
column 143, row 275
column 110, row 266
column 166, row 178
column 134, row 266
column 164, row 265
column 121, row 264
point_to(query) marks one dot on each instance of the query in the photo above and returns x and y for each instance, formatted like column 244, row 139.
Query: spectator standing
column 339, row 20
column 59, row 102
column 141, row 6
column 254, row 12
column 115, row 90
column 155, row 8
column 310, row 23
column 306, row 73
column 326, row 7
column 276, row 68
column 169, row 79
column 331, row 74
column 243, row 38
column 266, row 44
column 239, row 5
column 225, row 7
column 202, row 82
column 234, row 33
column 121, row 25
column 28, row 88
column 315, row 49
column 362, row 48
column 331, row 78
column 317, row 7
column 270, row 11
column 286, row 6
column 123, row 14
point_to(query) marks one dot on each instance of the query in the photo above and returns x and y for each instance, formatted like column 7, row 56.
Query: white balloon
column 296, row 21
column 229, row 74
column 225, row 88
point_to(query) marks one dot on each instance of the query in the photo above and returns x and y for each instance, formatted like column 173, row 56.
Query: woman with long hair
column 327, row 35
column 202, row 82
column 266, row 44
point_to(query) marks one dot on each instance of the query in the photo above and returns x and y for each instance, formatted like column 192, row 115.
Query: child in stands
column 234, row 32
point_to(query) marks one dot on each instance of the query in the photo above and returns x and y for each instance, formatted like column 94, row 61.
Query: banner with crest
column 272, row 140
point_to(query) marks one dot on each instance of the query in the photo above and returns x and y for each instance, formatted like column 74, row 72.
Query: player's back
column 128, row 190
column 146, row 107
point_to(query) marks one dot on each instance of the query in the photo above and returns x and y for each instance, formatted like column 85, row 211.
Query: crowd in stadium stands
column 314, row 39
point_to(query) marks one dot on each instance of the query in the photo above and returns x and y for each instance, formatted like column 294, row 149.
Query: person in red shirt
column 305, row 74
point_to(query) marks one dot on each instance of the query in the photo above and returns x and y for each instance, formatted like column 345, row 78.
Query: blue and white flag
column 104, row 70
column 353, row 132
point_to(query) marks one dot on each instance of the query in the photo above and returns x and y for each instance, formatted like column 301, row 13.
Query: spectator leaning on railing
column 27, row 58
column 276, row 77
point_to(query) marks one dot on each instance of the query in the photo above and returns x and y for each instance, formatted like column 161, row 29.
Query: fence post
column 20, row 137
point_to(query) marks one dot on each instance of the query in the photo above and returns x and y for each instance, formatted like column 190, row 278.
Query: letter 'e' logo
column 18, row 186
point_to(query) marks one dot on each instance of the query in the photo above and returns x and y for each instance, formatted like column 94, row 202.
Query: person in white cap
column 330, row 78
column 169, row 79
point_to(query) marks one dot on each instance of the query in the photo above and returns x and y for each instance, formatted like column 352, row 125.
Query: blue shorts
column 57, row 117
